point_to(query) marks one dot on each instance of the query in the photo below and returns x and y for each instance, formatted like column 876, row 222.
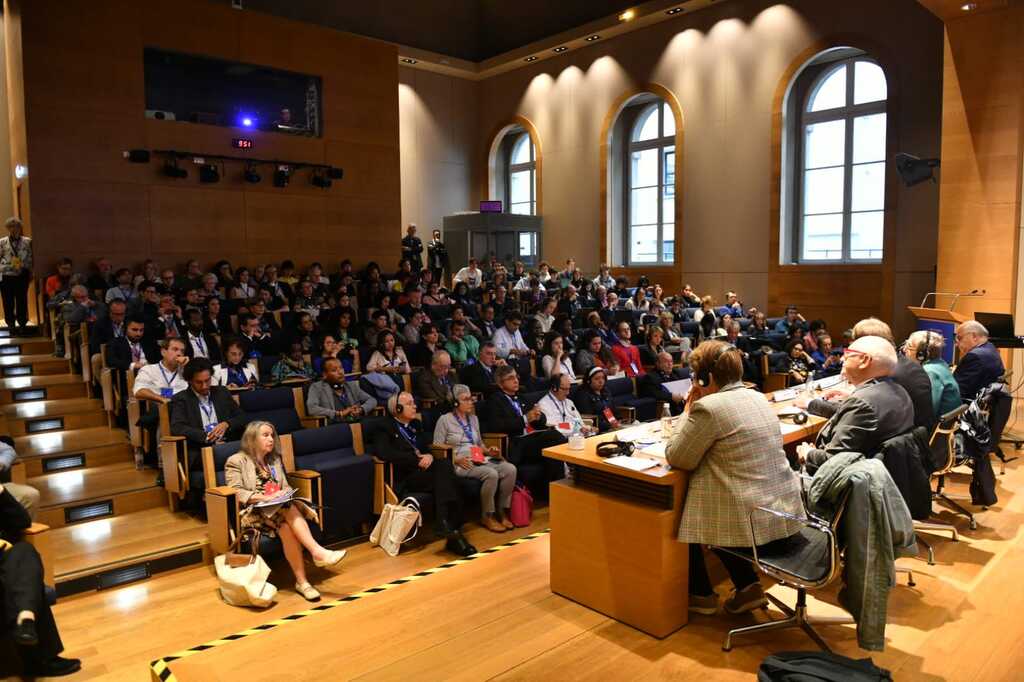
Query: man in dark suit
column 109, row 326
column 167, row 323
column 132, row 349
column 25, row 609
column 878, row 408
column 197, row 341
column 528, row 430
column 479, row 375
column 435, row 382
column 257, row 342
column 650, row 385
column 980, row 363
column 204, row 414
column 412, row 248
column 396, row 441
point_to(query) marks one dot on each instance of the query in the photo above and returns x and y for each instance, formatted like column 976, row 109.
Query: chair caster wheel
column 974, row 525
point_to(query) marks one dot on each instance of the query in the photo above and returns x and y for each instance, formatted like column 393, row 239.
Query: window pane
column 526, row 243
column 866, row 234
column 668, row 245
column 646, row 126
column 825, row 144
column 869, row 187
column 823, row 191
column 643, row 206
column 668, row 120
column 519, row 184
column 869, row 138
column 643, row 244
column 643, row 170
column 521, row 209
column 822, row 237
column 830, row 92
column 868, row 83
column 521, row 150
column 668, row 209
column 668, row 165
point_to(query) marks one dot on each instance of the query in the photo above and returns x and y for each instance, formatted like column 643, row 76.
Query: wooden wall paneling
column 191, row 221
column 190, row 26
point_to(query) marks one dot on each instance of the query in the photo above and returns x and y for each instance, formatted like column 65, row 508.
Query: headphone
column 704, row 373
column 924, row 350
column 395, row 407
column 615, row 448
column 800, row 417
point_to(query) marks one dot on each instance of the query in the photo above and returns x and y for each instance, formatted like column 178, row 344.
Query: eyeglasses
column 851, row 351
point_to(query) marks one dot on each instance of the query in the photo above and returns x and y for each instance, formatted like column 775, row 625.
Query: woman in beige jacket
column 257, row 473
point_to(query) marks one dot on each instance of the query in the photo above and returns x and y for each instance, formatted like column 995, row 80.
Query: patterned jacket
column 8, row 252
column 732, row 443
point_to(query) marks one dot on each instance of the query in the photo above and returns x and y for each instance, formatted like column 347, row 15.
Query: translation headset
column 394, row 406
column 615, row 448
column 704, row 373
column 800, row 417
column 924, row 350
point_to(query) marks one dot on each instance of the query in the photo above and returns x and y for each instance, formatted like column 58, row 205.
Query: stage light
column 531, row 58
column 171, row 170
column 335, row 173
column 628, row 15
column 914, row 171
column 674, row 10
column 320, row 180
column 136, row 155
column 209, row 174
column 20, row 171
column 592, row 38
column 247, row 121
column 560, row 48
column 407, row 60
column 251, row 175
column 281, row 176
column 969, row 6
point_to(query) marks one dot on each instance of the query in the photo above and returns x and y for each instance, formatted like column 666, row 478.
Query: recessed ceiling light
column 969, row 6
column 674, row 10
column 592, row 38
column 407, row 60
column 560, row 48
column 628, row 15
column 531, row 58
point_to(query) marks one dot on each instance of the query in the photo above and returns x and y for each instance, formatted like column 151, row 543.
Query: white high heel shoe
column 331, row 563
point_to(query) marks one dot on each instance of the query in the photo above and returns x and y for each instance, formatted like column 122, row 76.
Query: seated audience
column 877, row 409
column 730, row 440
column 243, row 287
column 471, row 275
column 25, row 610
column 257, row 474
column 650, row 385
column 980, row 363
column 199, row 343
column 556, row 359
column 799, row 365
column 558, row 410
column 396, row 442
column 814, row 330
column 925, row 347
column 215, row 321
column 479, row 376
column 594, row 352
column 123, row 290
column 388, row 358
column 436, row 295
column 378, row 323
column 732, row 306
column 292, row 366
column 337, row 399
column 461, row 346
column 162, row 380
column 167, row 324
column 825, row 357
column 411, row 330
column 258, row 342
column 792, row 321
column 60, row 280
column 436, row 382
column 593, row 400
column 488, row 326
column 654, row 346
column 509, row 341
column 132, row 349
column 236, row 372
column 26, row 495
column 430, row 343
column 627, row 355
column 460, row 428
column 204, row 414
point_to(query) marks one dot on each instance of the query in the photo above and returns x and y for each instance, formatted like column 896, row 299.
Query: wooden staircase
column 110, row 523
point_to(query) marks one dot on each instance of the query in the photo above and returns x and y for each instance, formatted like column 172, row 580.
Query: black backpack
column 819, row 666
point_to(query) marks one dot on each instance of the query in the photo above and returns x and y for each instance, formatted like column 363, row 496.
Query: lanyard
column 136, row 352
column 515, row 404
column 118, row 331
column 198, row 340
column 558, row 403
column 236, row 375
column 207, row 409
column 410, row 437
column 170, row 382
column 467, row 428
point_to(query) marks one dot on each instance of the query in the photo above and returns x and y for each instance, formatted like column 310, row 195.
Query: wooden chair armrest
column 441, row 450
column 378, row 411
column 428, row 403
column 36, row 529
column 626, row 414
column 37, row 536
column 498, row 440
column 303, row 474
column 309, row 486
column 221, row 491
column 221, row 517
column 314, row 422
column 18, row 473
column 174, row 457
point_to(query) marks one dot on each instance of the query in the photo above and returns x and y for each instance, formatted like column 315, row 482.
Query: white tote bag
column 398, row 524
column 243, row 578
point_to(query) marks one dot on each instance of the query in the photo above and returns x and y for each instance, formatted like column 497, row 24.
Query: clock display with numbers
column 242, row 143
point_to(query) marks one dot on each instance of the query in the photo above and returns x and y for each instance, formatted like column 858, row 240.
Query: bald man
column 980, row 364
column 876, row 410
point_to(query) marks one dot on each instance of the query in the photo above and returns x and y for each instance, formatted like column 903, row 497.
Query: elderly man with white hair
column 877, row 409
column 980, row 364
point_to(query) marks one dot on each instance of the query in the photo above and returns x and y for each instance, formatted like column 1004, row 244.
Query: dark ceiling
column 474, row 30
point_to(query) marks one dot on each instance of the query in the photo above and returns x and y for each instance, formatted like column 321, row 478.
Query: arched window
column 521, row 189
column 649, row 182
column 836, row 160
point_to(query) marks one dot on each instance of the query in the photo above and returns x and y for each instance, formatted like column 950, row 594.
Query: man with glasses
column 508, row 340
column 980, row 364
column 558, row 410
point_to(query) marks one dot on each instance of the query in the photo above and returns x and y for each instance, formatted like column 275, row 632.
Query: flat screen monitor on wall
column 202, row 89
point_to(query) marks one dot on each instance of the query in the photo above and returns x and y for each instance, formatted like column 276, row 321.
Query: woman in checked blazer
column 729, row 438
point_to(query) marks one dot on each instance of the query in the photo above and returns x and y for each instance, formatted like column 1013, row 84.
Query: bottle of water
column 576, row 438
column 809, row 386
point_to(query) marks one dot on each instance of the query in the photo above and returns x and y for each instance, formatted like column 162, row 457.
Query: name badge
column 632, row 366
column 563, row 426
column 167, row 392
column 477, row 454
column 209, row 427
column 610, row 416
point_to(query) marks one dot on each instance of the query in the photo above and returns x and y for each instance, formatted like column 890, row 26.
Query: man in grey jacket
column 337, row 399
column 26, row 495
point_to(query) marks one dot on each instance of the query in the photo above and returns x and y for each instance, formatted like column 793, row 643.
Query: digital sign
column 242, row 143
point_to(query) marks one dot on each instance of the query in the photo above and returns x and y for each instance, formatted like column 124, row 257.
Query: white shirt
column 506, row 342
column 607, row 281
column 471, row 276
column 156, row 377
column 561, row 414
column 548, row 363
column 545, row 322
column 200, row 348
column 208, row 412
column 138, row 354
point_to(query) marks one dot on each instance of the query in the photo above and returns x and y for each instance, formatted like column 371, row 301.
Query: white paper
column 784, row 395
column 280, row 499
column 829, row 382
column 679, row 386
column 655, row 450
column 788, row 428
column 632, row 463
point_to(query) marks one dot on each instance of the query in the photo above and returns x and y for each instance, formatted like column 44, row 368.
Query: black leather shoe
column 443, row 529
column 457, row 544
column 53, row 667
column 25, row 633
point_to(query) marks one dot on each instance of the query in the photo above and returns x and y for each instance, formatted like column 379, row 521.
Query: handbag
column 243, row 577
column 397, row 525
column 521, row 510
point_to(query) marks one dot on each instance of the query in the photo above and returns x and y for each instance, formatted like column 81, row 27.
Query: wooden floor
column 495, row 617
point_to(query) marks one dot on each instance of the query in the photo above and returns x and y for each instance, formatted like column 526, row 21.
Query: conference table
column 613, row 533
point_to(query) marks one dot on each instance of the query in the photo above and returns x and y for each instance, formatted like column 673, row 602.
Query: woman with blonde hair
column 257, row 473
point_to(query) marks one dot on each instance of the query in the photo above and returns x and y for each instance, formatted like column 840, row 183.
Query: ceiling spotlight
column 171, row 170
column 592, row 38
column 560, row 48
column 251, row 175
column 674, row 10
column 969, row 6
column 531, row 58
column 320, row 180
column 335, row 173
column 628, row 15
column 281, row 176
column 209, row 174
column 408, row 60
column 137, row 155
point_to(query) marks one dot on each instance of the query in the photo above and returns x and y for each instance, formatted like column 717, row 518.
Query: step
column 27, row 345
column 47, row 387
column 49, row 415
column 81, row 448
column 109, row 552
column 32, row 365
column 70, row 497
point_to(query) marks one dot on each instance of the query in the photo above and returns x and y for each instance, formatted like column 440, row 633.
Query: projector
column 160, row 115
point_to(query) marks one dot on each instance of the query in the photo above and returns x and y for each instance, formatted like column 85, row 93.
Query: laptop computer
column 999, row 325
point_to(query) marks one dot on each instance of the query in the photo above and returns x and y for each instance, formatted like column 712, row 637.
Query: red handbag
column 521, row 510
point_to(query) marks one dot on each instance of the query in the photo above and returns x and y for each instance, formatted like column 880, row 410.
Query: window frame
column 635, row 113
column 848, row 113
column 512, row 140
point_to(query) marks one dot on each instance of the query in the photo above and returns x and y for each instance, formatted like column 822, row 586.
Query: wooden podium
column 940, row 321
